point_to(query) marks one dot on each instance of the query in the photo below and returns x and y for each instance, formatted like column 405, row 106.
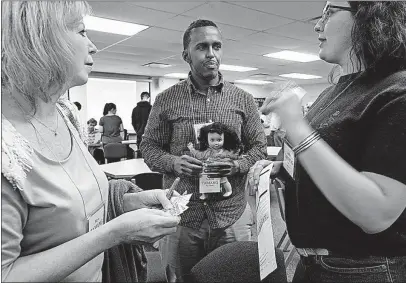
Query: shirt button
column 208, row 99
column 205, row 203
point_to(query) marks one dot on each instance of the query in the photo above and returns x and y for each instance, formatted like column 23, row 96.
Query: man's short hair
column 196, row 24
column 78, row 105
column 145, row 94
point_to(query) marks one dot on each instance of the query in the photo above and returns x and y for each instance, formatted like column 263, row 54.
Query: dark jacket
column 140, row 116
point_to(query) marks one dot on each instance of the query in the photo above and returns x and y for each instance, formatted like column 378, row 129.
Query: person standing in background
column 111, row 125
column 139, row 117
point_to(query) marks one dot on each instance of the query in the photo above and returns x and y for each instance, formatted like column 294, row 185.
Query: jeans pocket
column 339, row 265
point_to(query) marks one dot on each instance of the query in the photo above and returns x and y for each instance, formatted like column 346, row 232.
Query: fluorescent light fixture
column 157, row 65
column 236, row 68
column 252, row 82
column 293, row 56
column 177, row 75
column 300, row 76
column 112, row 26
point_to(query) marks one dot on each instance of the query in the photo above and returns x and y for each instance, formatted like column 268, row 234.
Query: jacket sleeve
column 133, row 119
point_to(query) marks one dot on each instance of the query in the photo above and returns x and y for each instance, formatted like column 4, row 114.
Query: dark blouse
column 366, row 126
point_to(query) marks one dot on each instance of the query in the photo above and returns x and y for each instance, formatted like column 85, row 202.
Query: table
column 125, row 169
column 129, row 142
column 273, row 151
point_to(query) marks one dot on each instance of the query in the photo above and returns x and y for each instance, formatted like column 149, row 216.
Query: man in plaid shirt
column 176, row 114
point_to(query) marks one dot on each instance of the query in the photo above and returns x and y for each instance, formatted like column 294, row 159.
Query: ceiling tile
column 298, row 30
column 244, row 46
column 275, row 41
column 180, row 23
column 165, row 35
column 128, row 12
column 170, row 7
column 297, row 10
column 227, row 13
column 141, row 42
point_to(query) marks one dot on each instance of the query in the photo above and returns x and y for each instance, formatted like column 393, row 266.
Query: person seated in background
column 94, row 145
column 91, row 131
column 111, row 125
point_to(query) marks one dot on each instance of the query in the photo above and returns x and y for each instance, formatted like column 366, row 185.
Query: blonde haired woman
column 54, row 195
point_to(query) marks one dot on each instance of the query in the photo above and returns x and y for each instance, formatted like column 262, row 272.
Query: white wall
column 97, row 92
column 120, row 92
column 159, row 84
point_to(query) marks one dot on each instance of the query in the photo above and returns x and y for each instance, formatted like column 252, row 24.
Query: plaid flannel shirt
column 170, row 129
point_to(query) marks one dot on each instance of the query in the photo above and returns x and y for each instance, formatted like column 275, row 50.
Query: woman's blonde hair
column 36, row 53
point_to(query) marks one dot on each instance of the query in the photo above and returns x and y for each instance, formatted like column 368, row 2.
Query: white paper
column 266, row 245
column 179, row 204
column 289, row 160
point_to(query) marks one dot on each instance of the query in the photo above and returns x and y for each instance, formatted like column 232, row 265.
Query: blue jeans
column 350, row 269
column 181, row 251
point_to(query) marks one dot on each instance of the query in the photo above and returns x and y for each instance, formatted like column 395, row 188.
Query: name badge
column 209, row 185
column 289, row 161
column 197, row 128
column 96, row 219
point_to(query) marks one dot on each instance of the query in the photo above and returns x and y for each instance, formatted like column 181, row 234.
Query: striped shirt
column 170, row 129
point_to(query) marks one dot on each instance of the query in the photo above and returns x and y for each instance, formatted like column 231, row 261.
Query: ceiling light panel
column 112, row 26
column 300, row 76
column 252, row 82
column 293, row 56
column 234, row 68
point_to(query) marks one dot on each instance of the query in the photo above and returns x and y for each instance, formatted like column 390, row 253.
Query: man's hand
column 187, row 166
column 223, row 168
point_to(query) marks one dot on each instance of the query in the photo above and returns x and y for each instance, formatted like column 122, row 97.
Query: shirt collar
column 192, row 87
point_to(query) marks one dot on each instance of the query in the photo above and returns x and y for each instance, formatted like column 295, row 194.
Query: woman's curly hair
column 379, row 36
column 231, row 140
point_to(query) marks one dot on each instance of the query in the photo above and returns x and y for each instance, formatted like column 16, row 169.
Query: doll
column 217, row 142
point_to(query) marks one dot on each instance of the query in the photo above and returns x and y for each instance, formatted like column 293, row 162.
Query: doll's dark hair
column 231, row 140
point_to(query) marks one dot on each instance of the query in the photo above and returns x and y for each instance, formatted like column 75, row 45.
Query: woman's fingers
column 163, row 200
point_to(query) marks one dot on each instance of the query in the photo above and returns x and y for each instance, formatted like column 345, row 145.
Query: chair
column 280, row 193
column 113, row 152
column 149, row 181
column 235, row 262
